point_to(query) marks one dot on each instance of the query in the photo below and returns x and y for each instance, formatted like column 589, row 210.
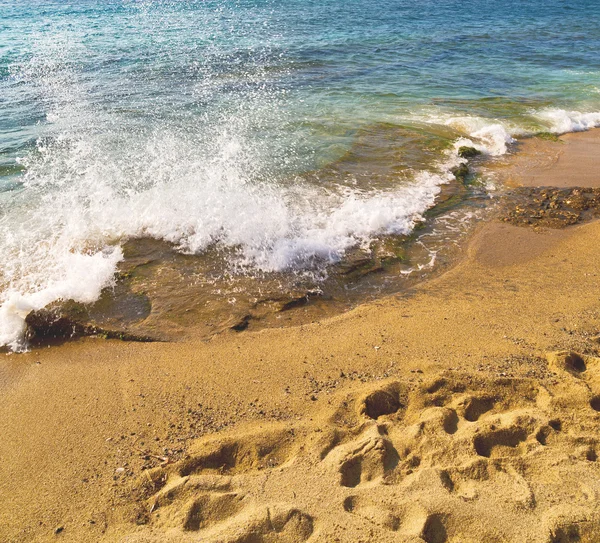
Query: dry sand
column 466, row 410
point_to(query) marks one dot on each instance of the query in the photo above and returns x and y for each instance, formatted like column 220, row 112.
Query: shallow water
column 274, row 141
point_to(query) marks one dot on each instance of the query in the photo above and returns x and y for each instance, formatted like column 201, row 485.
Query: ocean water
column 283, row 134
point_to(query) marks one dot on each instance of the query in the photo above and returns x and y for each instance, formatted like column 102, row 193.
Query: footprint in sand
column 211, row 509
column 368, row 458
column 417, row 521
column 195, row 496
column 243, row 453
column 475, row 406
column 585, row 371
column 501, row 442
column 255, row 524
column 383, row 401
column 399, row 465
column 412, row 522
column 564, row 524
column 222, row 517
column 228, row 518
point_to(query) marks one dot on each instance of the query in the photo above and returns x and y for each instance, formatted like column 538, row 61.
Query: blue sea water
column 286, row 132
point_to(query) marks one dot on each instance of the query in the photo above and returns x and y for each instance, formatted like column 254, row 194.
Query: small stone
column 549, row 136
column 460, row 172
column 58, row 529
column 468, row 152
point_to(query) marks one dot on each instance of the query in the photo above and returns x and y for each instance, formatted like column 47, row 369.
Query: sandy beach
column 464, row 410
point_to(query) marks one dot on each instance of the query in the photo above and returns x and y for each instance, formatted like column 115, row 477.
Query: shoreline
column 162, row 294
column 98, row 411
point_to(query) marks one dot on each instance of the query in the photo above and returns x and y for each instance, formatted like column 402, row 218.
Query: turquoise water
column 284, row 132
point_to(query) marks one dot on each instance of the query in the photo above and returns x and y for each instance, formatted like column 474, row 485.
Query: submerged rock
column 548, row 136
column 63, row 321
column 461, row 172
column 242, row 324
column 300, row 301
column 357, row 265
column 57, row 322
column 468, row 152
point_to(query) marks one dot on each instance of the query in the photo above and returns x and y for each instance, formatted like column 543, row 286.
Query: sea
column 216, row 155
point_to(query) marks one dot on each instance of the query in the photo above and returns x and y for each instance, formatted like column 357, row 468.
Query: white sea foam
column 493, row 138
column 489, row 138
column 561, row 121
column 76, row 276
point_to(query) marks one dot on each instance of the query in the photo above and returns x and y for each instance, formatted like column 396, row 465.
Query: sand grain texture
column 569, row 162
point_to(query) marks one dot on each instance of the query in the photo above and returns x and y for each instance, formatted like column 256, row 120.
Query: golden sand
column 465, row 410
column 571, row 161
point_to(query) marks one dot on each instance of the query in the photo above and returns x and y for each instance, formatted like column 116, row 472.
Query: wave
column 68, row 245
column 62, row 241
column 93, row 185
column 561, row 121
column 493, row 137
column 81, row 278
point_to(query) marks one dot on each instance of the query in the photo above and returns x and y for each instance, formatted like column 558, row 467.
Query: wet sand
column 465, row 409
column 568, row 162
